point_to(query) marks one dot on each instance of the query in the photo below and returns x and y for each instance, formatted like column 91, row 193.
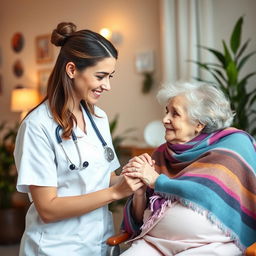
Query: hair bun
column 63, row 31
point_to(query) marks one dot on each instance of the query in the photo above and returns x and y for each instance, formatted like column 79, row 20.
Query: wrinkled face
column 179, row 128
column 93, row 81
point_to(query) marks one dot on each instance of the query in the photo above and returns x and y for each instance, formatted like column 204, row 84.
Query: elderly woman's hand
column 142, row 167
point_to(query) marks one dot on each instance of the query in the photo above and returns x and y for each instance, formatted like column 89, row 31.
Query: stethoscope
column 108, row 152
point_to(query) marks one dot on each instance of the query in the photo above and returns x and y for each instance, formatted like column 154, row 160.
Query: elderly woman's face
column 179, row 128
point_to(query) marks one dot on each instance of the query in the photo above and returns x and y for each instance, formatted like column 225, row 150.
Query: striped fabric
column 215, row 173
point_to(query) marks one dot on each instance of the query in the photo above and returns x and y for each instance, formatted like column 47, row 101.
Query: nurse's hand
column 126, row 186
column 144, row 171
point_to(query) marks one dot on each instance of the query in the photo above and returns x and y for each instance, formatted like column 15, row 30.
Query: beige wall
column 137, row 20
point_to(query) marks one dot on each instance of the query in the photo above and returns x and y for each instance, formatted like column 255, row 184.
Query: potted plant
column 12, row 216
column 226, row 72
column 117, row 141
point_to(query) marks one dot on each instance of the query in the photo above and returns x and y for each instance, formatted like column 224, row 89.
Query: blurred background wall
column 141, row 24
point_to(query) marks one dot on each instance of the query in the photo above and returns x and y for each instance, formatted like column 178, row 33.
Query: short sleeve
column 34, row 157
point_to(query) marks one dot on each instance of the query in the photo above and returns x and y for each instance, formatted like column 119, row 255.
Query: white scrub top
column 40, row 161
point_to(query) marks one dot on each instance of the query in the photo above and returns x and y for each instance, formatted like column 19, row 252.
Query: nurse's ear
column 71, row 69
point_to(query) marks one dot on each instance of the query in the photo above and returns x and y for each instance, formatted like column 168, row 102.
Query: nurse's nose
column 106, row 86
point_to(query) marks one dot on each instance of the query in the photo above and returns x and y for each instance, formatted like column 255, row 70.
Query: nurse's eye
column 166, row 110
column 100, row 77
column 110, row 76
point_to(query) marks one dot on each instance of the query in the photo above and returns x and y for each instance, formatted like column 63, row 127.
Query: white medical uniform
column 40, row 161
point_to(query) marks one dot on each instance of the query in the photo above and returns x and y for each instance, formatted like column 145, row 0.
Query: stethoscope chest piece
column 109, row 153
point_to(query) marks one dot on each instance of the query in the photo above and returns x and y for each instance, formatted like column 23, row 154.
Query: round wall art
column 18, row 68
column 17, row 42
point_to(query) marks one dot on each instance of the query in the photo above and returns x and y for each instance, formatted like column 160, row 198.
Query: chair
column 115, row 240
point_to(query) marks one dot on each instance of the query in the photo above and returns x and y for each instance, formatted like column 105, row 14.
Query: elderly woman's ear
column 199, row 127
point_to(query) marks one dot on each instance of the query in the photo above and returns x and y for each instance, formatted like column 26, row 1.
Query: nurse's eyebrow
column 105, row 73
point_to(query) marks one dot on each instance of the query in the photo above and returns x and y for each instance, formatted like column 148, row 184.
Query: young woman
column 64, row 153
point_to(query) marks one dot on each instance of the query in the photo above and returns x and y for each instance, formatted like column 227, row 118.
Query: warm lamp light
column 107, row 33
column 113, row 36
column 24, row 99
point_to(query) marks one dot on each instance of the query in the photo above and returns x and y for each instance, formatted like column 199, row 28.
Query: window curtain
column 184, row 25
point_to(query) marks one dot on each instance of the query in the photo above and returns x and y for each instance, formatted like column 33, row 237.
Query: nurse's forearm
column 72, row 206
column 52, row 208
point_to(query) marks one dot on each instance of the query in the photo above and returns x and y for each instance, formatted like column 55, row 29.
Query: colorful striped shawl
column 215, row 173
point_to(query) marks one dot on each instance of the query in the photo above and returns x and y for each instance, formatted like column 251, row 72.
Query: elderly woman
column 200, row 197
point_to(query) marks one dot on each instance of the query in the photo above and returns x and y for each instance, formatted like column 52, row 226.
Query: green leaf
column 219, row 83
column 242, row 49
column 216, row 53
column 220, row 74
column 253, row 98
column 200, row 64
column 227, row 55
column 244, row 60
column 244, row 80
column 129, row 130
column 213, row 64
column 236, row 36
column 232, row 73
column 113, row 124
column 202, row 80
column 208, row 64
column 214, row 72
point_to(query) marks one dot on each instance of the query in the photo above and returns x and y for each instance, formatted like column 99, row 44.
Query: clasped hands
column 142, row 167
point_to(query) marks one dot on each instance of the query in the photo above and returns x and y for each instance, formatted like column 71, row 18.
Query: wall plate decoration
column 43, row 76
column 18, row 69
column 44, row 49
column 17, row 42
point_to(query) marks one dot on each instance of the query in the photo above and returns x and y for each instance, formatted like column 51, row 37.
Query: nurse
column 64, row 153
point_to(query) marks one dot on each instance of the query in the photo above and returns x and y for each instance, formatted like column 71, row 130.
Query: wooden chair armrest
column 118, row 239
column 251, row 250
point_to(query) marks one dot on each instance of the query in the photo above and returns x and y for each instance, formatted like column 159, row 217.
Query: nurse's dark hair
column 84, row 48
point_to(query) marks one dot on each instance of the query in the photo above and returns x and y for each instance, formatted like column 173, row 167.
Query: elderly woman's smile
column 179, row 127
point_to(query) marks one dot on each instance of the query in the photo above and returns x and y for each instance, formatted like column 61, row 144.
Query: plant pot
column 12, row 223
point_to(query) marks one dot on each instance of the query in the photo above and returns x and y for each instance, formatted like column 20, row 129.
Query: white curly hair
column 206, row 103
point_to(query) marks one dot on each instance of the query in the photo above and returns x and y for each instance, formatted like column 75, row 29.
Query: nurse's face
column 93, row 81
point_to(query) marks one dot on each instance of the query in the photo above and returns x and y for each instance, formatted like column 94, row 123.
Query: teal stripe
column 223, row 212
column 232, row 143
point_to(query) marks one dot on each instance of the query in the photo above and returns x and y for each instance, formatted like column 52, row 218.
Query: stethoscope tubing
column 109, row 154
column 103, row 142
